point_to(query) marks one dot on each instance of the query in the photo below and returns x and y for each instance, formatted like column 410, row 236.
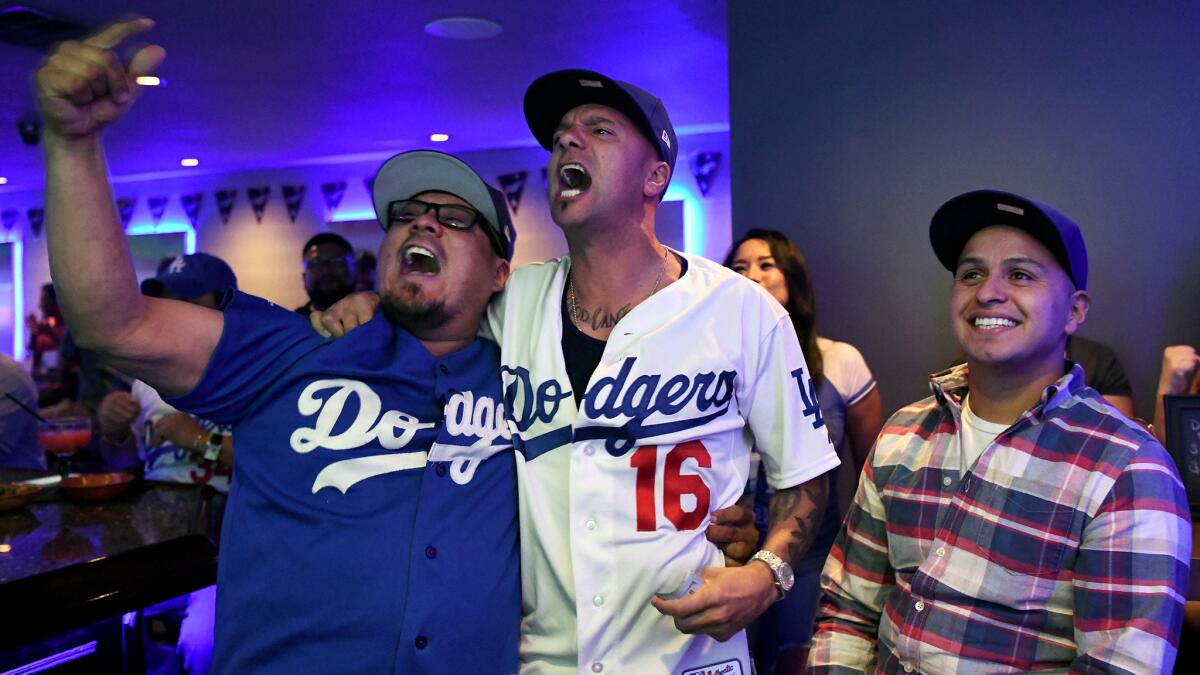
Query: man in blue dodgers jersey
column 638, row 379
column 366, row 531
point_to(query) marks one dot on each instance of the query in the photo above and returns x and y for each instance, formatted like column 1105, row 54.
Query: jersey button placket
column 597, row 667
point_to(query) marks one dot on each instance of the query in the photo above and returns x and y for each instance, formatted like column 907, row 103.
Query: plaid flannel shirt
column 1066, row 545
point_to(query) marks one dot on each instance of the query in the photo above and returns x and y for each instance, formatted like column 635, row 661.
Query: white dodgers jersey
column 615, row 496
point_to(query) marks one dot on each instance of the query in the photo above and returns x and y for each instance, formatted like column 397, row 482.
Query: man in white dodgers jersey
column 638, row 378
column 372, row 520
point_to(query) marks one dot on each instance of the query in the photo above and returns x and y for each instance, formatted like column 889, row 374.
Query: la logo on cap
column 666, row 138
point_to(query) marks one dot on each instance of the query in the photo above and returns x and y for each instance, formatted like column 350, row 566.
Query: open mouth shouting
column 573, row 180
column 420, row 260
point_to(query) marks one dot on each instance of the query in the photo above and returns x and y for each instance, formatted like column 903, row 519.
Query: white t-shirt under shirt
column 975, row 434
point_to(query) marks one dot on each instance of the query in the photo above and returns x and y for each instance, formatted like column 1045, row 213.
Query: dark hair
column 800, row 305
column 326, row 238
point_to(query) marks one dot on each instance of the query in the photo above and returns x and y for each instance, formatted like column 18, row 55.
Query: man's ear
column 1081, row 302
column 503, row 269
column 657, row 179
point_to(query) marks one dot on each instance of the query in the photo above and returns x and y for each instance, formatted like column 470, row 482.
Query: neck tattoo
column 603, row 319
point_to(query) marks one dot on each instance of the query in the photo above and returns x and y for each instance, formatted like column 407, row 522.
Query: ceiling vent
column 36, row 29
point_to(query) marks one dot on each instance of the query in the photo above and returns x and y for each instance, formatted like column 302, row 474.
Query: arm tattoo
column 797, row 512
column 600, row 318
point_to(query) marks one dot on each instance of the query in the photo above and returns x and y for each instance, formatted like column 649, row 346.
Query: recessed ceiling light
column 190, row 161
column 3, row 180
column 439, row 138
column 463, row 28
column 150, row 81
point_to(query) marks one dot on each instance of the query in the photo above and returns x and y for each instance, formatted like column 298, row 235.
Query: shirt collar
column 950, row 387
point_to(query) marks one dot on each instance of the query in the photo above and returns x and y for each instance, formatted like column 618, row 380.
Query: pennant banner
column 158, row 206
column 705, row 166
column 258, row 200
column 333, row 194
column 37, row 216
column 9, row 218
column 191, row 206
column 513, row 184
column 125, row 210
column 293, row 196
column 225, row 200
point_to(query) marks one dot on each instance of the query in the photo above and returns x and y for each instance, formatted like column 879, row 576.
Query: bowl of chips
column 95, row 487
column 17, row 495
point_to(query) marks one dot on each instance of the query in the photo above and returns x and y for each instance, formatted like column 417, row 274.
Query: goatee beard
column 413, row 315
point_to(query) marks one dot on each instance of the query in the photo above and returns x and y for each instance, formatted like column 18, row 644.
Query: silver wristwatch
column 212, row 448
column 779, row 569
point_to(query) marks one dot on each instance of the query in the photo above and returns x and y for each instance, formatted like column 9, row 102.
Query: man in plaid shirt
column 1026, row 525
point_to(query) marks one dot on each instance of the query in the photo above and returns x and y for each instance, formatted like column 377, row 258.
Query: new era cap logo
column 1011, row 209
column 665, row 138
column 591, row 83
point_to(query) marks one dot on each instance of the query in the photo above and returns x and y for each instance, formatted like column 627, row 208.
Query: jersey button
column 440, row 469
column 591, row 525
column 442, row 367
column 907, row 668
column 598, row 600
column 421, row 642
column 430, row 552
column 589, row 451
column 946, row 481
column 597, row 667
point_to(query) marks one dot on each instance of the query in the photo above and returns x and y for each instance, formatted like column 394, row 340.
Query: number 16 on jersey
column 675, row 484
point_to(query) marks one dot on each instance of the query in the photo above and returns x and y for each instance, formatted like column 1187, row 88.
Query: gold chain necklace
column 573, row 304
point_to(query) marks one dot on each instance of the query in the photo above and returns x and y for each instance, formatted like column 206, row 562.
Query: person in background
column 364, row 272
column 853, row 412
column 19, row 447
column 328, row 271
column 1013, row 521
column 1180, row 374
column 173, row 446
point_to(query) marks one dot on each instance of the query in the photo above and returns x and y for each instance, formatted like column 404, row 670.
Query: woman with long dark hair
column 853, row 414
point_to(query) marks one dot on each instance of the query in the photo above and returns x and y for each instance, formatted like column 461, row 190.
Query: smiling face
column 601, row 168
column 754, row 261
column 436, row 280
column 1013, row 306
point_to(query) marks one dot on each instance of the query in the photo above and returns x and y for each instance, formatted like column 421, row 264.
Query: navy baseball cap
column 190, row 276
column 959, row 219
column 408, row 174
column 553, row 95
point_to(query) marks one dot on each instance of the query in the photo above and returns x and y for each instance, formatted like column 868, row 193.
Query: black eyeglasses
column 453, row 216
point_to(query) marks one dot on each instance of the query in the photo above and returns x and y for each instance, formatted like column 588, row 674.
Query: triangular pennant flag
column 125, row 210
column 293, row 196
column 333, row 194
column 705, row 166
column 191, row 206
column 9, row 218
column 513, row 184
column 37, row 216
column 158, row 206
column 258, row 200
column 225, row 200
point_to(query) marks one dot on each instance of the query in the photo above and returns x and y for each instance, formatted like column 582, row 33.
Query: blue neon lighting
column 18, row 271
column 167, row 227
column 695, row 229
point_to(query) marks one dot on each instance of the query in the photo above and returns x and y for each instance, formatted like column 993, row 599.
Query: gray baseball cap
column 408, row 174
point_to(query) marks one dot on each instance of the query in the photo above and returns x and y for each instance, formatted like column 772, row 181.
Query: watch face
column 786, row 578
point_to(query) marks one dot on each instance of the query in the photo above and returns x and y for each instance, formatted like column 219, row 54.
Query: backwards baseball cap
column 553, row 95
column 960, row 218
column 190, row 276
column 408, row 174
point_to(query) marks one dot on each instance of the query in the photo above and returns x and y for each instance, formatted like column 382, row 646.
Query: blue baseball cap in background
column 190, row 276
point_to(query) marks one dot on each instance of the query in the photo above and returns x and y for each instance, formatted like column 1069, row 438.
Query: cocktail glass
column 63, row 437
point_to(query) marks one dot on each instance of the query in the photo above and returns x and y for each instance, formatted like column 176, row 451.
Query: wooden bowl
column 95, row 487
column 17, row 495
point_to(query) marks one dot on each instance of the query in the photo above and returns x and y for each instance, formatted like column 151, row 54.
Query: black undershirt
column 582, row 352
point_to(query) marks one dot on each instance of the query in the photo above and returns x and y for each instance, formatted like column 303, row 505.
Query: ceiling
column 258, row 84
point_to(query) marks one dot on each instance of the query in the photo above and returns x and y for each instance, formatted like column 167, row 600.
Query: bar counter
column 65, row 564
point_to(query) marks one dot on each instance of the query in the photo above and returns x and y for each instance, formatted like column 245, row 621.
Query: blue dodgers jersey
column 372, row 521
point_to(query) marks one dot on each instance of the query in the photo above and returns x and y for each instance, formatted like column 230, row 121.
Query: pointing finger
column 146, row 61
column 116, row 33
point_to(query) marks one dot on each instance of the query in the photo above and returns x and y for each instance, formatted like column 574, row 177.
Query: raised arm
column 82, row 88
